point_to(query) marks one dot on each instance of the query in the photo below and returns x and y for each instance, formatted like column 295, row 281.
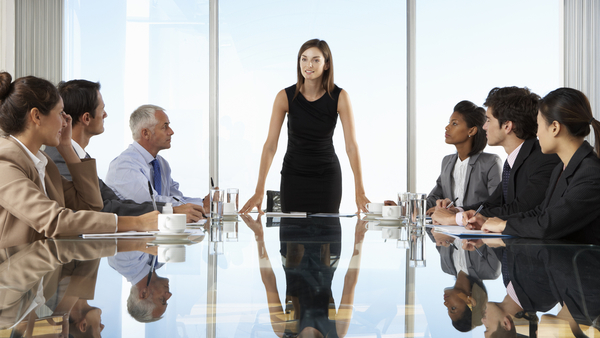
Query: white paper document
column 459, row 230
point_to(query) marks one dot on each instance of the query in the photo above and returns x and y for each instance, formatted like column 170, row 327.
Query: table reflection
column 338, row 277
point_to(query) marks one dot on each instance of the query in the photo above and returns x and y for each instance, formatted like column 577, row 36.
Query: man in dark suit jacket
column 511, row 123
column 83, row 101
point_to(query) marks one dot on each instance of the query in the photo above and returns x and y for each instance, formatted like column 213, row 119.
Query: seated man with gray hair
column 140, row 165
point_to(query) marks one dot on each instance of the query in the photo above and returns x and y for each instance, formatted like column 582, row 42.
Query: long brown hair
column 327, row 78
column 572, row 109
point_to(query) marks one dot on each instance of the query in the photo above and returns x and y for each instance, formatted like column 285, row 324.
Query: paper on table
column 458, row 230
column 327, row 214
column 286, row 214
column 119, row 234
column 200, row 222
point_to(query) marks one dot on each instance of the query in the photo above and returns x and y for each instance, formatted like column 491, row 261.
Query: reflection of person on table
column 470, row 175
column 147, row 300
column 34, row 199
column 470, row 262
column 52, row 278
column 572, row 282
column 570, row 208
column 311, row 178
column 511, row 123
column 295, row 255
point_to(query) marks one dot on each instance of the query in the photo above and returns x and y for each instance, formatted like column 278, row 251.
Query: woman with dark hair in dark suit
column 469, row 174
column 570, row 208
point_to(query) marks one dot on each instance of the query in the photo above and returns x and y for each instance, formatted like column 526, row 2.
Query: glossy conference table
column 260, row 277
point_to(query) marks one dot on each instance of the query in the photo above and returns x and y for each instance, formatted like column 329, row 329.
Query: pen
column 152, row 196
column 151, row 269
column 478, row 210
column 479, row 252
column 451, row 203
column 212, row 183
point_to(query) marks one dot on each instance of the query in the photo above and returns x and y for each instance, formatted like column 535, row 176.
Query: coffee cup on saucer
column 374, row 208
column 171, row 253
column 391, row 212
column 171, row 222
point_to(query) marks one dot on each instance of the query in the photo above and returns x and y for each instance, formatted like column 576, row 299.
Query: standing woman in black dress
column 311, row 178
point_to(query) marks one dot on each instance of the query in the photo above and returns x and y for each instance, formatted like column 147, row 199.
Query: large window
column 466, row 48
column 145, row 52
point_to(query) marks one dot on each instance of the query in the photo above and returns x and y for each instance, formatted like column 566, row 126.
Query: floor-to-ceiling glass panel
column 145, row 52
column 466, row 48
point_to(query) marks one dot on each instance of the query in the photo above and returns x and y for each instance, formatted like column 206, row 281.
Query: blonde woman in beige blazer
column 35, row 201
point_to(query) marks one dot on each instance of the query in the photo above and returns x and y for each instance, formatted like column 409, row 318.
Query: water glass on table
column 233, row 196
column 417, row 209
column 216, row 203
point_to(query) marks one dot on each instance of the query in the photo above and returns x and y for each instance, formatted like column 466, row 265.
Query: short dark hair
column 474, row 116
column 79, row 97
column 19, row 97
column 518, row 105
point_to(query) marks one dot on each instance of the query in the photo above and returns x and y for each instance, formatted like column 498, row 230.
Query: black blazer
column 112, row 203
column 571, row 208
column 529, row 178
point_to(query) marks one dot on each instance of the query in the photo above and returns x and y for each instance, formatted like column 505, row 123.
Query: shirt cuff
column 117, row 222
column 459, row 218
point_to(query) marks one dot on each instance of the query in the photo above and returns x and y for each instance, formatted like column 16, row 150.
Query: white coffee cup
column 171, row 222
column 390, row 233
column 171, row 253
column 391, row 211
column 373, row 226
column 229, row 209
column 374, row 208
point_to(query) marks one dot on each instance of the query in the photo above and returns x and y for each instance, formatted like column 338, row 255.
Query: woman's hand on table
column 254, row 201
column 361, row 203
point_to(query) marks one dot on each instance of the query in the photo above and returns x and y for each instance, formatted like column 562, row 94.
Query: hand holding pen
column 473, row 220
column 451, row 203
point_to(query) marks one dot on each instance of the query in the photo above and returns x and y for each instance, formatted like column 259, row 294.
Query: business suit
column 529, row 178
column 570, row 209
column 483, row 175
column 112, row 203
column 27, row 214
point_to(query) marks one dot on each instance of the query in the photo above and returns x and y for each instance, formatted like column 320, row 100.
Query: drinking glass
column 417, row 209
column 417, row 249
column 233, row 196
column 216, row 203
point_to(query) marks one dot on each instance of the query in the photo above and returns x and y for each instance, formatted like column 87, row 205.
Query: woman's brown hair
column 19, row 97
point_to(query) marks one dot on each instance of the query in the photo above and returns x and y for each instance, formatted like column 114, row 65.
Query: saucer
column 388, row 219
column 171, row 235
column 372, row 214
column 172, row 242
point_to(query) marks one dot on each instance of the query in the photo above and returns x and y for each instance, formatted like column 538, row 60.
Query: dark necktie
column 87, row 155
column 156, row 167
column 505, row 178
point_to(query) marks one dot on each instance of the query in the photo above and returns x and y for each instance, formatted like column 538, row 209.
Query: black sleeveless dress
column 311, row 177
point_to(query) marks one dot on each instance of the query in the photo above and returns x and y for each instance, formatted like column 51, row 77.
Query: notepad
column 461, row 232
column 127, row 234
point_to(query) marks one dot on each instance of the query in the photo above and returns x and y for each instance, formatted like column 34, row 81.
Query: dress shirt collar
column 39, row 160
column 512, row 157
column 80, row 152
column 145, row 153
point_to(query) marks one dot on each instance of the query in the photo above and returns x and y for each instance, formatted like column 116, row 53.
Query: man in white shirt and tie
column 140, row 168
